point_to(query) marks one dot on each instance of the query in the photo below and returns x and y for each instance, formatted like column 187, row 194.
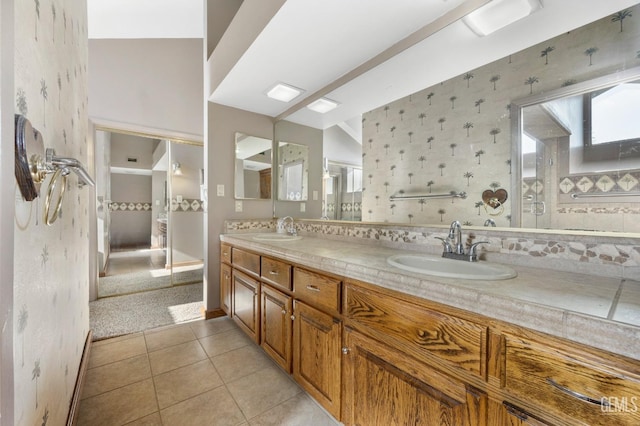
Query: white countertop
column 598, row 311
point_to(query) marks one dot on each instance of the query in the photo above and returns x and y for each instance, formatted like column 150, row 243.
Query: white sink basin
column 272, row 236
column 450, row 268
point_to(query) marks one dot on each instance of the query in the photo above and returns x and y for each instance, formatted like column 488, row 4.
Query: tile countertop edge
column 590, row 330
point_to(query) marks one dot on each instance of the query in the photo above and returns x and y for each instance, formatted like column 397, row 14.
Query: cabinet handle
column 273, row 272
column 345, row 351
column 313, row 288
column 293, row 317
column 284, row 312
column 577, row 395
column 225, row 253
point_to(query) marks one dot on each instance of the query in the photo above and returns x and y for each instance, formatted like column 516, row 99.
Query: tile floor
column 126, row 261
column 197, row 373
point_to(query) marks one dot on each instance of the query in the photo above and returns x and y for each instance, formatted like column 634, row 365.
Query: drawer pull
column 284, row 312
column 273, row 272
column 577, row 395
column 313, row 288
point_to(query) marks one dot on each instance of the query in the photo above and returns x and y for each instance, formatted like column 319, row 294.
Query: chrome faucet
column 283, row 228
column 490, row 222
column 454, row 248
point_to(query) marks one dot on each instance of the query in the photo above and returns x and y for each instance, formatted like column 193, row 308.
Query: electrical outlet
column 220, row 190
column 238, row 206
column 315, row 195
column 178, row 199
column 303, row 207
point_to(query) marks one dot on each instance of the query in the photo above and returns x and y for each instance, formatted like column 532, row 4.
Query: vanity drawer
column 249, row 262
column 276, row 272
column 317, row 290
column 225, row 253
column 420, row 331
column 574, row 385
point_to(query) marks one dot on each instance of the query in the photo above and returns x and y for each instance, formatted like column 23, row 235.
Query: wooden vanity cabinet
column 225, row 288
column 384, row 386
column 317, row 338
column 276, row 325
column 506, row 414
column 245, row 302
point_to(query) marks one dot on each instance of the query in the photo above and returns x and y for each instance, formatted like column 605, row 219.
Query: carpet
column 144, row 280
column 115, row 316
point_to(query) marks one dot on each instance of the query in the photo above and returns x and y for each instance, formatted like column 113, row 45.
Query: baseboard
column 214, row 313
column 74, row 409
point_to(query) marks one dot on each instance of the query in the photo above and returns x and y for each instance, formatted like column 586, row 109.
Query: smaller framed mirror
column 252, row 167
column 293, row 171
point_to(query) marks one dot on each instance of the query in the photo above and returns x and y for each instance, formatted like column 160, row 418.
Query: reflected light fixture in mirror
column 284, row 92
column 177, row 170
column 498, row 14
column 323, row 105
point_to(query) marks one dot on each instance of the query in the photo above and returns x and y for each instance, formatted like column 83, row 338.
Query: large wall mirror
column 578, row 151
column 252, row 178
column 293, row 171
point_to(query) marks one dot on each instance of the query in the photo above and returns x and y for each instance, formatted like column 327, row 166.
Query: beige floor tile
column 224, row 342
column 215, row 407
column 213, row 326
column 117, row 351
column 115, row 375
column 241, row 362
column 150, row 420
column 102, row 342
column 186, row 382
column 263, row 390
column 170, row 336
column 298, row 411
column 119, row 406
column 177, row 356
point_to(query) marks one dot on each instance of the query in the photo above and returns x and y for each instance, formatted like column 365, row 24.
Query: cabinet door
column 225, row 288
column 384, row 386
column 245, row 303
column 275, row 336
column 317, row 355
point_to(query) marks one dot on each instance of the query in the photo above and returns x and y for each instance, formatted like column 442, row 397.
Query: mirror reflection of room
column 253, row 167
column 137, row 227
column 293, row 173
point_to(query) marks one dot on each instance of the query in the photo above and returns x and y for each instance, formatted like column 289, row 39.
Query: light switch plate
column 315, row 195
column 238, row 206
column 220, row 190
column 178, row 198
column 303, row 207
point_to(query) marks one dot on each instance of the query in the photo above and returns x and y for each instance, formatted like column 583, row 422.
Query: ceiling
column 360, row 53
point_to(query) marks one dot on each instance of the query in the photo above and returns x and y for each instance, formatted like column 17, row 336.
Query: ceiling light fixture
column 498, row 14
column 323, row 105
column 284, row 92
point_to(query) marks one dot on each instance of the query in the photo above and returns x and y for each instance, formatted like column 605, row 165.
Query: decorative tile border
column 599, row 183
column 129, row 206
column 187, row 205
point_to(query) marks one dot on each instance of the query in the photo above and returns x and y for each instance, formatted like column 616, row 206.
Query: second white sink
column 449, row 268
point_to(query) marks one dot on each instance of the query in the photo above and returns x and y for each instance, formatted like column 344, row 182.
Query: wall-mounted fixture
column 33, row 164
column 323, row 105
column 283, row 92
column 498, row 14
column 177, row 170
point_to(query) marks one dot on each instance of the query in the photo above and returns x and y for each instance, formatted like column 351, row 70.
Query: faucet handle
column 474, row 246
column 446, row 243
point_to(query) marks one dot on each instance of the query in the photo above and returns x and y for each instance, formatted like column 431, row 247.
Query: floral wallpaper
column 456, row 137
column 51, row 276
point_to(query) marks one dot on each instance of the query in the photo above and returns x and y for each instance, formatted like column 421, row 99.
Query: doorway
column 149, row 212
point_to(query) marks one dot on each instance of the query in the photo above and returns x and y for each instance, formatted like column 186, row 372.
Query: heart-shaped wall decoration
column 494, row 198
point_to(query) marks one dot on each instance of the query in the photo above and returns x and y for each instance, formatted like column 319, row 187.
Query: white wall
column 338, row 146
column 155, row 84
column 124, row 146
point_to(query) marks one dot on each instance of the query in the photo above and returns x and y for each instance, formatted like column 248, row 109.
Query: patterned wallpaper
column 456, row 136
column 51, row 262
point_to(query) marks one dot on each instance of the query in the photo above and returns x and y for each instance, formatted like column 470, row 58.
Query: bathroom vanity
column 374, row 344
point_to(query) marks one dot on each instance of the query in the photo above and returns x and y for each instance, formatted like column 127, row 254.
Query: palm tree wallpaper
column 51, row 263
column 460, row 129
